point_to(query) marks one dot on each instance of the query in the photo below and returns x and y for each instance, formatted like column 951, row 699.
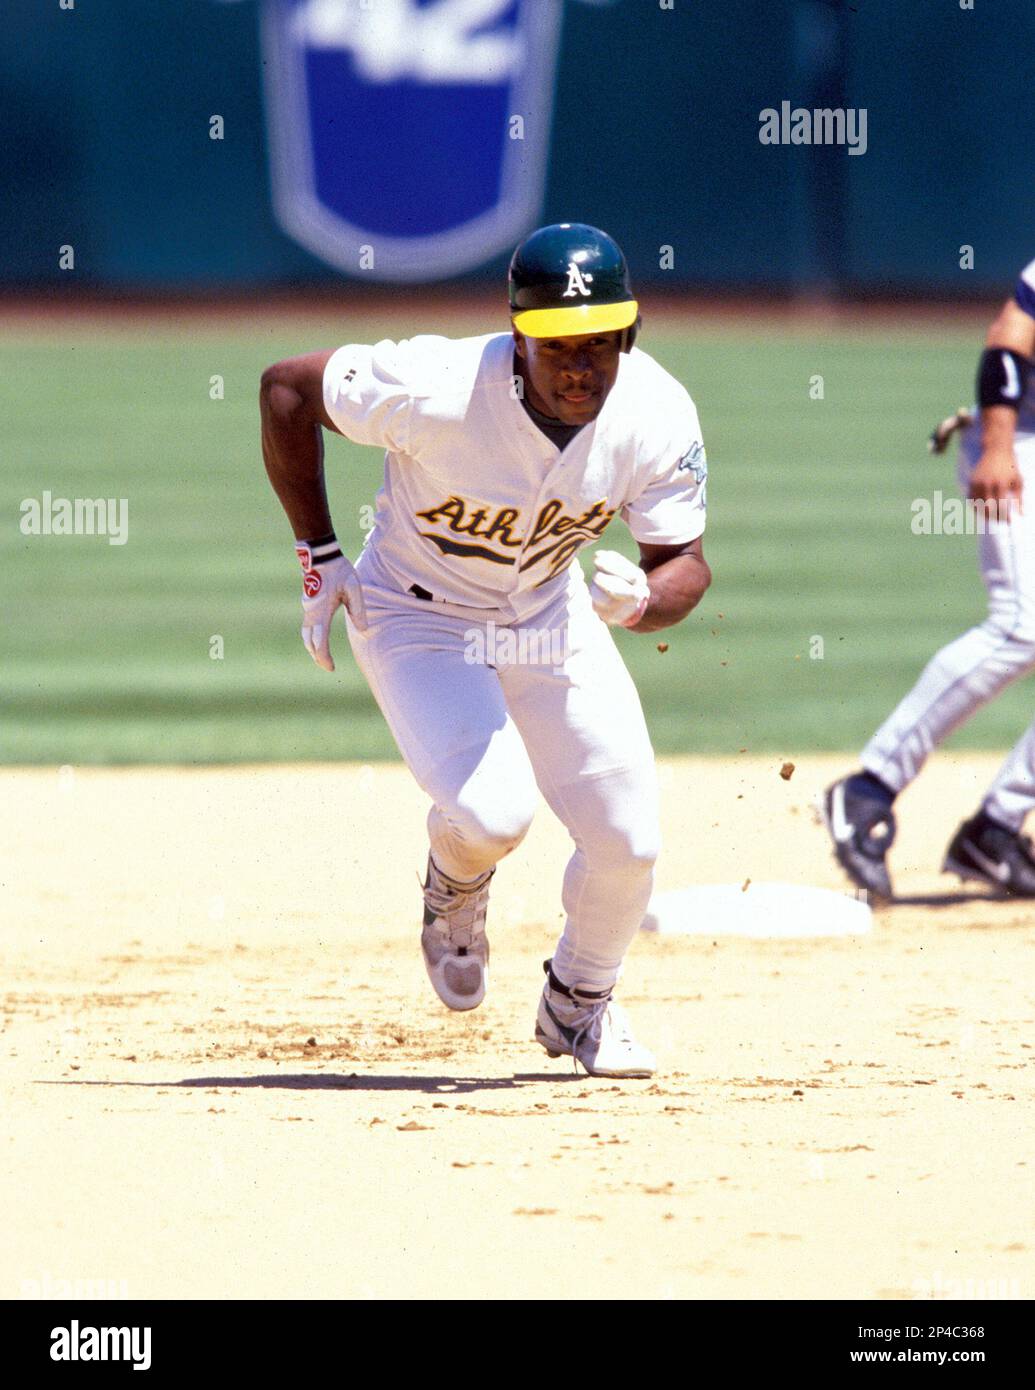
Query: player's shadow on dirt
column 957, row 899
column 433, row 1085
column 302, row 1081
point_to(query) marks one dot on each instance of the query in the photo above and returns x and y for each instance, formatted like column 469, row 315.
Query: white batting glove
column 619, row 589
column 329, row 582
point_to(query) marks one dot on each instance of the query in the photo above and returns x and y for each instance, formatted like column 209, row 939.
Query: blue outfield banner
column 409, row 140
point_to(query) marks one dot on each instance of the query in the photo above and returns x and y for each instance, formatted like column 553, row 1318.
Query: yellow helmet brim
column 573, row 321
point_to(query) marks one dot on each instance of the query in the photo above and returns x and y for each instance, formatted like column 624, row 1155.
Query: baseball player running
column 997, row 469
column 467, row 611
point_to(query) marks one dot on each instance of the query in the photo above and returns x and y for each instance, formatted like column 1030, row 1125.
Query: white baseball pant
column 480, row 726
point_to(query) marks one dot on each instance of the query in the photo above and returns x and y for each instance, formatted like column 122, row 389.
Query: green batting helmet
column 569, row 279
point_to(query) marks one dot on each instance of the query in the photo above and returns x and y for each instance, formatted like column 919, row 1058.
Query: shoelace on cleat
column 462, row 911
column 597, row 1010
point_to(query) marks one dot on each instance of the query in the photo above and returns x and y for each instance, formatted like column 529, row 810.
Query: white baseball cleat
column 454, row 944
column 590, row 1028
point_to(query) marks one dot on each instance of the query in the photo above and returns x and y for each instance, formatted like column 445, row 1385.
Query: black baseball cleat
column 862, row 828
column 983, row 849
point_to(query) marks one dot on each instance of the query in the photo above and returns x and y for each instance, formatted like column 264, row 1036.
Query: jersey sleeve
column 670, row 507
column 1024, row 293
column 367, row 393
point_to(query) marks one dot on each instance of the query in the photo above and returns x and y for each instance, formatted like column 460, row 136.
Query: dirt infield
column 225, row 1075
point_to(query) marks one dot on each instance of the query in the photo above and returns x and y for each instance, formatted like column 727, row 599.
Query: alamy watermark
column 496, row 646
column 798, row 125
column 939, row 1286
column 958, row 516
column 79, row 1342
column 76, row 516
column 47, row 1286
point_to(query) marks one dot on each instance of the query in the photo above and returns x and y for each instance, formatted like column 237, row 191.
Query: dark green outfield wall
column 105, row 144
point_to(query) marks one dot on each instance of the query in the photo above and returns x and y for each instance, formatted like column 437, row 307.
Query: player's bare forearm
column 293, row 419
column 679, row 578
column 294, row 464
column 998, row 424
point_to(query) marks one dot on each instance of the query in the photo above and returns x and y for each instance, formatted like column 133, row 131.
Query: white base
column 773, row 910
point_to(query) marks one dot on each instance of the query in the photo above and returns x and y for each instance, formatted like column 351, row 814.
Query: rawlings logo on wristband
column 317, row 552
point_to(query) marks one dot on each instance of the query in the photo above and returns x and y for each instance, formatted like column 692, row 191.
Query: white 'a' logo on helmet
column 576, row 282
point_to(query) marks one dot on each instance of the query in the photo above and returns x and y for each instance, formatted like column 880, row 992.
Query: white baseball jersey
column 478, row 507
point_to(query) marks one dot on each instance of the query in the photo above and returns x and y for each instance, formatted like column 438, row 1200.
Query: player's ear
column 629, row 334
column 519, row 343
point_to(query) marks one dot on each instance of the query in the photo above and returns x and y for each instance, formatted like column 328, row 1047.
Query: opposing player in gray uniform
column 996, row 469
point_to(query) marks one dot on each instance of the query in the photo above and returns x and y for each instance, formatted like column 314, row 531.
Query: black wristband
column 318, row 552
column 1002, row 377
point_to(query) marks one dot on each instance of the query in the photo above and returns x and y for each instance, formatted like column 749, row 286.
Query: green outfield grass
column 104, row 653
